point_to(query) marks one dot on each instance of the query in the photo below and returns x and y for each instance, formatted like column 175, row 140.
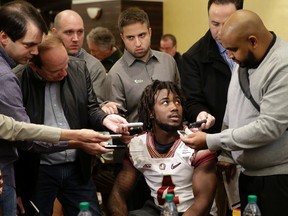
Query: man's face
column 239, row 51
column 26, row 47
column 217, row 15
column 97, row 52
column 137, row 40
column 71, row 32
column 167, row 47
column 167, row 111
column 55, row 63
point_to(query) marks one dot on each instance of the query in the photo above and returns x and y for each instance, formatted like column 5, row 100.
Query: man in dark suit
column 208, row 69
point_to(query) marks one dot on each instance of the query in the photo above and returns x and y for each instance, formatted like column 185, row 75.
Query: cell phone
column 134, row 127
column 115, row 146
column 197, row 124
column 181, row 132
column 133, row 124
column 115, row 136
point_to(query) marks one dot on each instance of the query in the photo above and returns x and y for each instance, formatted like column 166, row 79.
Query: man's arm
column 98, row 78
column 123, row 185
column 192, row 89
column 14, row 130
column 116, row 90
column 204, row 183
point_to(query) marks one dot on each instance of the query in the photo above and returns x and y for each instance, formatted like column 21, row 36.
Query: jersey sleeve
column 203, row 156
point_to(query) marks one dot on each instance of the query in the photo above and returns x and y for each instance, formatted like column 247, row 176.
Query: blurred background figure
column 102, row 45
column 168, row 44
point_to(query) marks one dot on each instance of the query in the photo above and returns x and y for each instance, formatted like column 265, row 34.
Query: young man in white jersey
column 168, row 165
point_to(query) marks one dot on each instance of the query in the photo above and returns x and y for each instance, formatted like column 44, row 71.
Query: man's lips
column 139, row 50
column 175, row 117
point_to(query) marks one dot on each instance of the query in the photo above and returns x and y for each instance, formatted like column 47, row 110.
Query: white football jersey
column 165, row 173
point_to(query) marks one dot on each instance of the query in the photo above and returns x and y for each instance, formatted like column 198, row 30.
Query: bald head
column 242, row 24
column 69, row 26
column 64, row 16
column 246, row 38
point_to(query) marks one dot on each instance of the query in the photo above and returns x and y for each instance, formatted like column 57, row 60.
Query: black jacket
column 80, row 107
column 205, row 80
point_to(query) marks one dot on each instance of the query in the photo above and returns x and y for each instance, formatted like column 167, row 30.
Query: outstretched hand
column 88, row 135
column 196, row 140
column 96, row 148
column 113, row 122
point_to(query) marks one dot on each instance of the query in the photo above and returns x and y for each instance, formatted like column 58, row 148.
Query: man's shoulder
column 138, row 141
column 161, row 55
column 4, row 68
column 118, row 66
column 201, row 46
column 73, row 61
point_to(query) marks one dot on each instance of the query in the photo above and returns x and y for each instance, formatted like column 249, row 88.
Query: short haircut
column 101, row 37
column 132, row 15
column 147, row 101
column 16, row 15
column 165, row 37
column 50, row 41
column 238, row 3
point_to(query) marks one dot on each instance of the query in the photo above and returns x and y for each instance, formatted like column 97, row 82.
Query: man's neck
column 164, row 137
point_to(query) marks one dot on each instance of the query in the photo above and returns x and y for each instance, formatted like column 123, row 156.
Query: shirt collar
column 130, row 59
column 220, row 47
column 7, row 58
column 79, row 53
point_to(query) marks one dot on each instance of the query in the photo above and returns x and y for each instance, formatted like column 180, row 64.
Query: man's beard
column 250, row 61
column 167, row 127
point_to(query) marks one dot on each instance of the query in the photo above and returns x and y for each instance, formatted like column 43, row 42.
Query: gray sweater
column 259, row 141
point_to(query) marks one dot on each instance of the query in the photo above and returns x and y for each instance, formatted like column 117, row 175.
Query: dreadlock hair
column 147, row 101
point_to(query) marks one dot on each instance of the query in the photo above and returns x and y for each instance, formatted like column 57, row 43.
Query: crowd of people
column 60, row 104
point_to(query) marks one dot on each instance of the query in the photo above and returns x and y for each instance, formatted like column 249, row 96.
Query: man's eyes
column 73, row 32
column 30, row 45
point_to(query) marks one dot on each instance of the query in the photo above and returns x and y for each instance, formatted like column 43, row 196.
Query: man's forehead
column 164, row 93
column 72, row 28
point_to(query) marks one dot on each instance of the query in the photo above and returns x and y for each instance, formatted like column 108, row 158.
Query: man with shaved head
column 69, row 26
column 257, row 139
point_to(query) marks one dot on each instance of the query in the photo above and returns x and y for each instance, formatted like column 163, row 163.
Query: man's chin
column 169, row 127
column 23, row 61
column 73, row 52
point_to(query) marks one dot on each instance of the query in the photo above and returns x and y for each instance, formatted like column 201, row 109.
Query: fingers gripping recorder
column 196, row 124
column 133, row 128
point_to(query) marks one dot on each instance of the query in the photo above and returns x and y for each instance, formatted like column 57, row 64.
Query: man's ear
column 122, row 37
column 53, row 30
column 4, row 38
column 253, row 41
